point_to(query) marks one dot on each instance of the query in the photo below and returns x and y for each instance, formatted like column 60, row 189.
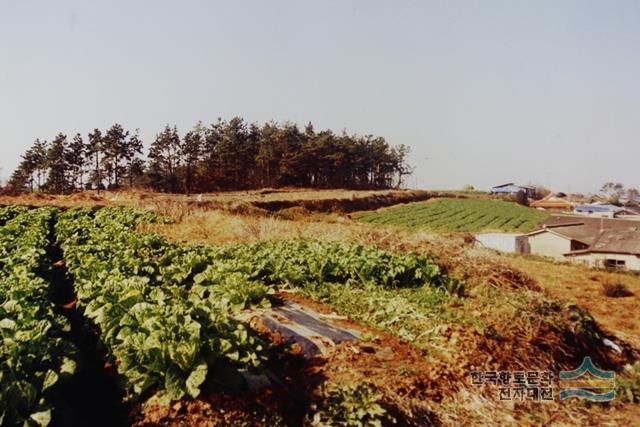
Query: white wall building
column 504, row 242
column 589, row 245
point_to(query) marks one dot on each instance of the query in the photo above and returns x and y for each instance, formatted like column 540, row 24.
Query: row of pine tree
column 226, row 155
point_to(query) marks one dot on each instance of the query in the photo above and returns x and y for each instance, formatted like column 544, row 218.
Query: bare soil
column 407, row 380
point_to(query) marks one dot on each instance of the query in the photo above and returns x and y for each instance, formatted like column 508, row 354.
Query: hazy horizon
column 483, row 92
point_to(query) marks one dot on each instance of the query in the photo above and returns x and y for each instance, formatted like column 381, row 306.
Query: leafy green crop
column 10, row 212
column 351, row 406
column 165, row 311
column 33, row 354
column 160, row 333
column 299, row 263
column 463, row 215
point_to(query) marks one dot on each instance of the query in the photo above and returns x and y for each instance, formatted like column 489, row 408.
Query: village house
column 557, row 240
column 512, row 189
column 605, row 243
column 617, row 249
column 631, row 210
column 604, row 211
column 554, row 202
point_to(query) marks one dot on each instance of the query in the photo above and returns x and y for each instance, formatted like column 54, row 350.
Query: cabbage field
column 33, row 352
column 457, row 215
column 162, row 313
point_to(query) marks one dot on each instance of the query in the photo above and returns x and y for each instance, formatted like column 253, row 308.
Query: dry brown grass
column 474, row 409
column 220, row 227
column 583, row 286
column 255, row 202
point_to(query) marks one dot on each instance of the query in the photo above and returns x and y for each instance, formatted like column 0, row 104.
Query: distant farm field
column 464, row 215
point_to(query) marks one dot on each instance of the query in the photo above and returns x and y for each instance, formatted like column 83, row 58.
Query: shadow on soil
column 91, row 397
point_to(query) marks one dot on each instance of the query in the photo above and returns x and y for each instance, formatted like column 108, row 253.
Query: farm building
column 632, row 210
column 513, row 189
column 556, row 241
column 628, row 214
column 611, row 249
column 596, row 242
column 504, row 242
column 597, row 223
column 554, row 201
column 605, row 211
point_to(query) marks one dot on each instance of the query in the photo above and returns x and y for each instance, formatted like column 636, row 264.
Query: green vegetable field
column 161, row 312
column 34, row 354
column 463, row 215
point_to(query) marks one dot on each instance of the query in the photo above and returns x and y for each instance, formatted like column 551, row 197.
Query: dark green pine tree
column 93, row 151
column 57, row 179
column 190, row 156
column 131, row 154
column 17, row 182
column 164, row 157
column 76, row 160
column 114, row 148
column 40, row 162
column 31, row 168
column 26, row 171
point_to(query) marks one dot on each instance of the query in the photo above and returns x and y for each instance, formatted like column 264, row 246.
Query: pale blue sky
column 483, row 91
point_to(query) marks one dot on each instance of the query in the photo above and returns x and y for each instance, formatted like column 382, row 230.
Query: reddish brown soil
column 213, row 411
column 397, row 369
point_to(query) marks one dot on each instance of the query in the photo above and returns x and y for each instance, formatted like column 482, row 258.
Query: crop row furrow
column 34, row 353
column 446, row 215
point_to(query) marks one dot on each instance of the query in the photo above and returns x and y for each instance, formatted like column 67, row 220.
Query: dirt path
column 92, row 396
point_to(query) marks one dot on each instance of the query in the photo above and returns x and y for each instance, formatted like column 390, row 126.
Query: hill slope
column 465, row 215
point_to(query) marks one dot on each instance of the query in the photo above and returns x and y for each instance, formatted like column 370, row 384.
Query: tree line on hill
column 226, row 155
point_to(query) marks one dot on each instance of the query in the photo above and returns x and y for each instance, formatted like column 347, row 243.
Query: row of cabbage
column 10, row 212
column 162, row 335
column 165, row 311
column 34, row 355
